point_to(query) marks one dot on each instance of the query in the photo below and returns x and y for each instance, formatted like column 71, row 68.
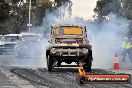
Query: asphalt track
column 33, row 71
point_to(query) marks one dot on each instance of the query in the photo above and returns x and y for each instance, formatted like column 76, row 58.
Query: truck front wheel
column 88, row 63
column 49, row 63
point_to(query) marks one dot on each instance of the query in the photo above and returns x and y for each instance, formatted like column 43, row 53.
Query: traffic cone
column 116, row 63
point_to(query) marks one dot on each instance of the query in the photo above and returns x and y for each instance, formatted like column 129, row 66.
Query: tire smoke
column 106, row 37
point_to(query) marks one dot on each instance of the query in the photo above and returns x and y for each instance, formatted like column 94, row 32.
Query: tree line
column 14, row 13
column 122, row 8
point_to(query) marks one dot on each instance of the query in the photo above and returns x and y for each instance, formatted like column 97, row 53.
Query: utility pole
column 29, row 24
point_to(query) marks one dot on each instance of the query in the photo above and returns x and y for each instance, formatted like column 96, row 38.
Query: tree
column 59, row 3
column 4, row 11
column 104, row 7
column 14, row 13
column 126, row 10
column 119, row 7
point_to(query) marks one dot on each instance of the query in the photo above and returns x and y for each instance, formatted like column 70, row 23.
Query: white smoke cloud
column 105, row 37
column 108, row 41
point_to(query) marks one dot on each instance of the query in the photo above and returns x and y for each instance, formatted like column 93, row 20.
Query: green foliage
column 4, row 11
column 104, row 7
column 120, row 7
column 58, row 3
column 126, row 10
column 14, row 13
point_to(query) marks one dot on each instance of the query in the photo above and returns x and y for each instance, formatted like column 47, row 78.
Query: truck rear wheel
column 49, row 63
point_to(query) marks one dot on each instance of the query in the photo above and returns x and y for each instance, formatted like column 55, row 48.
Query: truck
column 29, row 45
column 69, row 43
column 9, row 41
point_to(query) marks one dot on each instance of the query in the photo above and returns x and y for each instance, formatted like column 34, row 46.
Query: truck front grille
column 70, row 52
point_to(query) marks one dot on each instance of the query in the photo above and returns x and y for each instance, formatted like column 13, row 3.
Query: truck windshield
column 31, row 37
column 72, row 31
column 11, row 38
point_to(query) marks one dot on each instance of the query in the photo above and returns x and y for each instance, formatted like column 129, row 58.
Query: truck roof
column 68, row 24
column 29, row 33
column 12, row 35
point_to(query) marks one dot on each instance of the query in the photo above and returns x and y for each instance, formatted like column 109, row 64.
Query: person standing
column 126, row 46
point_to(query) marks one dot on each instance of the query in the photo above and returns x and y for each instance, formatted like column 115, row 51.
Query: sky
column 83, row 8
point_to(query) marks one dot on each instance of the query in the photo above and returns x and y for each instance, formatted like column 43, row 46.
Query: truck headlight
column 53, row 50
column 85, row 51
